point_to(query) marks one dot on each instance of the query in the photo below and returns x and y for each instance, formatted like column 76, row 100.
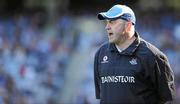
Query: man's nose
column 107, row 26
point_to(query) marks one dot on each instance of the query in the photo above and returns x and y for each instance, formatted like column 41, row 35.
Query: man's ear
column 128, row 26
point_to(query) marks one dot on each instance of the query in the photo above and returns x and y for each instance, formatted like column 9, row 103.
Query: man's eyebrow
column 109, row 20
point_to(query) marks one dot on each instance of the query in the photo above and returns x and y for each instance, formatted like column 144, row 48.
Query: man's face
column 116, row 31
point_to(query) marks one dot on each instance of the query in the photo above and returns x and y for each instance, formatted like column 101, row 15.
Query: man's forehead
column 110, row 20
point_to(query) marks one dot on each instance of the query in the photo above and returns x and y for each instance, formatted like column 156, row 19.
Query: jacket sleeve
column 164, row 80
column 96, row 76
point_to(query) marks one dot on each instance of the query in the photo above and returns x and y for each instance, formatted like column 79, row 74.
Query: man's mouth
column 110, row 34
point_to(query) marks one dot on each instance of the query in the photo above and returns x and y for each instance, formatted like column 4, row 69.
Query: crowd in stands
column 33, row 57
column 34, row 54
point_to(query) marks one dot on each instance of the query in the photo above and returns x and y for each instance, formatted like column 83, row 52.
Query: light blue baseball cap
column 118, row 12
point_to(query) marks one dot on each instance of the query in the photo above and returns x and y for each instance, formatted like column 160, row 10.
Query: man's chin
column 111, row 41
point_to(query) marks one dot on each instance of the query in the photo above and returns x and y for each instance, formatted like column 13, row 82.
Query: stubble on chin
column 122, row 38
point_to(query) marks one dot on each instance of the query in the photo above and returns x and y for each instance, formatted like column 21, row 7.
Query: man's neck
column 126, row 44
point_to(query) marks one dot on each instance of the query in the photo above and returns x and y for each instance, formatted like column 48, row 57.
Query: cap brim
column 104, row 15
column 101, row 16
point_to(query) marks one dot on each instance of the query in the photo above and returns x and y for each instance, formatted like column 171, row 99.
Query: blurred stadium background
column 47, row 46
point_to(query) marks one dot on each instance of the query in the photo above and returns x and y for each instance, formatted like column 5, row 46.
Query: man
column 128, row 69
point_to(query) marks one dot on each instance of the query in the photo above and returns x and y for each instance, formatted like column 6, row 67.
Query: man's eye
column 111, row 22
